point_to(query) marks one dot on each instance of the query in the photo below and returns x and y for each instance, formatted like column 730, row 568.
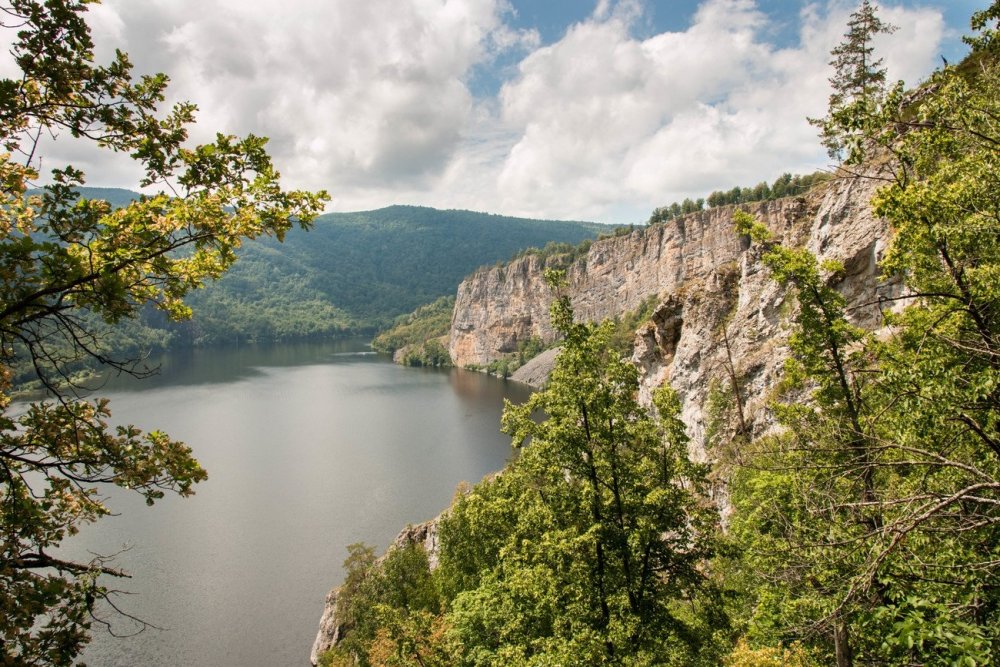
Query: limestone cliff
column 712, row 288
column 705, row 275
column 685, row 344
column 497, row 308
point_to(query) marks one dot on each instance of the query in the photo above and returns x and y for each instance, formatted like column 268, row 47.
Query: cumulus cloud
column 360, row 94
column 604, row 118
column 371, row 99
column 352, row 94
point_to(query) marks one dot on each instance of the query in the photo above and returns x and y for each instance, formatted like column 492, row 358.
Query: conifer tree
column 858, row 85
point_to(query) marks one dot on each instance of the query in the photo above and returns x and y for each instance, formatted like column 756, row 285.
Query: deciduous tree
column 599, row 540
column 875, row 515
column 62, row 257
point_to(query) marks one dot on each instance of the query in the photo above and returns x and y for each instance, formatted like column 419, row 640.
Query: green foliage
column 353, row 274
column 501, row 368
column 366, row 268
column 985, row 23
column 675, row 210
column 562, row 559
column 870, row 526
column 558, row 253
column 859, row 95
column 70, row 267
column 865, row 531
column 432, row 354
column 529, row 349
column 785, row 185
column 626, row 324
column 592, row 547
column 422, row 334
column 769, row 656
column 388, row 609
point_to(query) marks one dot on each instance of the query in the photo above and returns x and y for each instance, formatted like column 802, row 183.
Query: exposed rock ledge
column 330, row 628
column 711, row 285
column 535, row 372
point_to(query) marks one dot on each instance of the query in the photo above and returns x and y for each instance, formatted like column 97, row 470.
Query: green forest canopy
column 351, row 273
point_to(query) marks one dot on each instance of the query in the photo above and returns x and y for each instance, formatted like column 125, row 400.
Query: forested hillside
column 355, row 272
column 351, row 273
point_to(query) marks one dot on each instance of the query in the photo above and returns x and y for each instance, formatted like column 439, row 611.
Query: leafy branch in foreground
column 65, row 260
column 873, row 523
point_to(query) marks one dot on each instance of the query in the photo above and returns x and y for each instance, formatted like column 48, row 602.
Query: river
column 308, row 448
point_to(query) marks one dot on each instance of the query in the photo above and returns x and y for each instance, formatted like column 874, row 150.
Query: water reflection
column 308, row 448
column 221, row 365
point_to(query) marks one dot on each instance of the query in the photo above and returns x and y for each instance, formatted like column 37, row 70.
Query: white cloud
column 913, row 50
column 353, row 94
column 370, row 99
column 604, row 119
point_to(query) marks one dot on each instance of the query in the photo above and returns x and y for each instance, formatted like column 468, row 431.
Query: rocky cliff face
column 734, row 318
column 719, row 312
column 497, row 308
column 711, row 285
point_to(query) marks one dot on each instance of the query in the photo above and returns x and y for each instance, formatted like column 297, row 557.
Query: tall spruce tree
column 859, row 83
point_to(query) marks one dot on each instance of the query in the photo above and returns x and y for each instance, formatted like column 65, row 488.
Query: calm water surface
column 308, row 448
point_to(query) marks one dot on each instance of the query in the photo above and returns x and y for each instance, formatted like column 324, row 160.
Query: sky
column 572, row 109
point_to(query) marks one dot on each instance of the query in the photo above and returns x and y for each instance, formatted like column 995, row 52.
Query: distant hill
column 351, row 273
column 117, row 197
column 358, row 271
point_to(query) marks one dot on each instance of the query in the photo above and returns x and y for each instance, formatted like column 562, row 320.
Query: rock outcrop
column 719, row 315
column 330, row 628
column 498, row 308
column 712, row 288
column 535, row 371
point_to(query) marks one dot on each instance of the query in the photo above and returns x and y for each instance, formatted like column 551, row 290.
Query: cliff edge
column 719, row 314
column 711, row 287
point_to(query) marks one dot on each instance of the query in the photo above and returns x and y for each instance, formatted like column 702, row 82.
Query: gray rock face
column 330, row 629
column 535, row 372
column 685, row 345
column 499, row 307
column 711, row 284
column 426, row 535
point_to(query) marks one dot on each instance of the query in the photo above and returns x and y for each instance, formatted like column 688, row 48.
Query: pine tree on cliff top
column 858, row 84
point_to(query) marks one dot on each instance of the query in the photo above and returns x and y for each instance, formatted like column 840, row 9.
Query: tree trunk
column 842, row 645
